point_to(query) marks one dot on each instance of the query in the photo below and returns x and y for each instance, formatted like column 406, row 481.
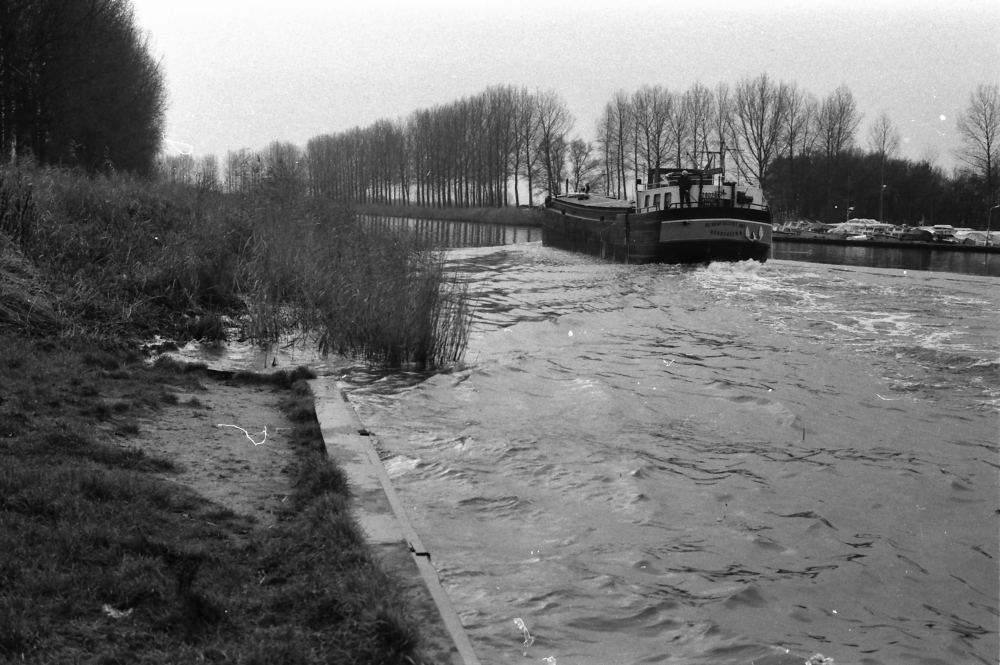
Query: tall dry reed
column 371, row 292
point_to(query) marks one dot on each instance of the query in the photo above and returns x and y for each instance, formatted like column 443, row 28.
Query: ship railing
column 702, row 203
column 707, row 198
column 720, row 203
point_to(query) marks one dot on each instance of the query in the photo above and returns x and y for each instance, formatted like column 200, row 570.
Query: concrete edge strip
column 420, row 555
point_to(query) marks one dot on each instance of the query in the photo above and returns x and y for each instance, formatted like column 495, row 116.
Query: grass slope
column 102, row 561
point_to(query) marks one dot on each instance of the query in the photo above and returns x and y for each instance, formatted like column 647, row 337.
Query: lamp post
column 881, row 193
column 847, row 203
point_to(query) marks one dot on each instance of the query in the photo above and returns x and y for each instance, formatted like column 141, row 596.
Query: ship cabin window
column 656, row 201
column 645, row 203
column 666, row 200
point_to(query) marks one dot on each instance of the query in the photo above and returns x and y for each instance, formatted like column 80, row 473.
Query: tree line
column 78, row 86
column 510, row 146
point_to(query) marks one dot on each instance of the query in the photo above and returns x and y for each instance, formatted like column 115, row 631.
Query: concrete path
column 383, row 519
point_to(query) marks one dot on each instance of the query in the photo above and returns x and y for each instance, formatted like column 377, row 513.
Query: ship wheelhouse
column 708, row 190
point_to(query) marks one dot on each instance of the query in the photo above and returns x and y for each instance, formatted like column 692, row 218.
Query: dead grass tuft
column 26, row 304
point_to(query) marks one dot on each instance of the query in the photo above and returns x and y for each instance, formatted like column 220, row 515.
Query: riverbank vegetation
column 120, row 256
column 103, row 560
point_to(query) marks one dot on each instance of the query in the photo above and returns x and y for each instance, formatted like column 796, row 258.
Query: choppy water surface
column 662, row 464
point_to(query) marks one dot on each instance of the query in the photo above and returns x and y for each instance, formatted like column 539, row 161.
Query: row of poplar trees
column 78, row 86
column 474, row 152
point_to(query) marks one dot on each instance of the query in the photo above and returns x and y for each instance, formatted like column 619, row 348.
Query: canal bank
column 890, row 244
column 383, row 519
column 931, row 257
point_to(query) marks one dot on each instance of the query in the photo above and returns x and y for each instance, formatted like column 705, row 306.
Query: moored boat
column 721, row 221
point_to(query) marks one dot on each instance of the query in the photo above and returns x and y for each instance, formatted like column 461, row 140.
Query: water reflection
column 915, row 258
column 452, row 235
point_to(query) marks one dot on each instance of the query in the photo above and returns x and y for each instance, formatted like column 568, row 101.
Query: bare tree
column 606, row 142
column 884, row 140
column 758, row 110
column 722, row 121
column 635, row 132
column 614, row 131
column 797, row 123
column 662, row 108
column 699, row 105
column 582, row 164
column 652, row 107
column 207, row 173
column 527, row 133
column 836, row 126
column 178, row 168
column 979, row 128
column 503, row 143
column 244, row 171
column 680, row 126
column 837, row 122
column 624, row 117
column 282, row 171
column 554, row 122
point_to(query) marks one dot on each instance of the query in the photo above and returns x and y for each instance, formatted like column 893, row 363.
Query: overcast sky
column 243, row 73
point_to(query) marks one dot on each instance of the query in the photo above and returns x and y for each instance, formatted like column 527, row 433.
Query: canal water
column 727, row 464
column 732, row 463
column 450, row 234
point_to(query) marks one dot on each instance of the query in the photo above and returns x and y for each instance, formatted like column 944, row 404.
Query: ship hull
column 676, row 235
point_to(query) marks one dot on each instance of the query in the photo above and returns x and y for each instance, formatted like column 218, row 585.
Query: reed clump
column 383, row 295
column 117, row 256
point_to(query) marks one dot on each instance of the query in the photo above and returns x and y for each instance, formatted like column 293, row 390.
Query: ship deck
column 595, row 201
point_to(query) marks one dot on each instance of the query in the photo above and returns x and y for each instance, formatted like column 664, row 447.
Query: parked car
column 917, row 235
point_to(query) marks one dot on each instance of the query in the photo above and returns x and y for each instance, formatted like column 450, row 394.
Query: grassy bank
column 101, row 559
column 512, row 216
